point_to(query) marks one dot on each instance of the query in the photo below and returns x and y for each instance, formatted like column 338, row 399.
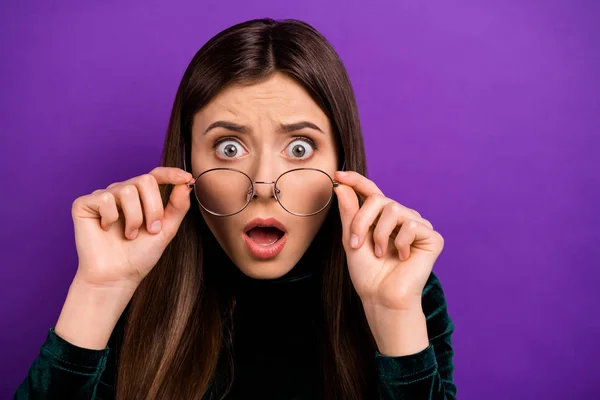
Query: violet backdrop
column 482, row 115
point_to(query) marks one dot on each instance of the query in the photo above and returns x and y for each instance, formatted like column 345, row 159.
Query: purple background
column 482, row 115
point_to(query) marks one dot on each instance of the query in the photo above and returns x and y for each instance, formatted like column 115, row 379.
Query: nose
column 263, row 189
column 264, row 181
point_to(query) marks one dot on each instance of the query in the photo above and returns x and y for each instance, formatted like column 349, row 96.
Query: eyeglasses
column 227, row 191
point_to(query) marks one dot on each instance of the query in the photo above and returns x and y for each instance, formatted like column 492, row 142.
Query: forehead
column 278, row 99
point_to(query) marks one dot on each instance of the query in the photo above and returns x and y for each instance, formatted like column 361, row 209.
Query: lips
column 265, row 238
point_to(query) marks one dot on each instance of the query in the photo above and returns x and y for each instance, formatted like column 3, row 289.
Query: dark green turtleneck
column 276, row 337
column 275, row 350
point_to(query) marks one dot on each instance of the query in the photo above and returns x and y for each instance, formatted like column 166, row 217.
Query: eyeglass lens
column 302, row 191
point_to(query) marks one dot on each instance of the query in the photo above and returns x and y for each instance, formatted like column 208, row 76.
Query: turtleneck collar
column 297, row 280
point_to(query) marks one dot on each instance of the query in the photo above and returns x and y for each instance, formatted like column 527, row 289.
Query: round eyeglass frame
column 252, row 191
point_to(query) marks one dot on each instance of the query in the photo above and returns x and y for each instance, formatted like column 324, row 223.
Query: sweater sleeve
column 63, row 371
column 427, row 375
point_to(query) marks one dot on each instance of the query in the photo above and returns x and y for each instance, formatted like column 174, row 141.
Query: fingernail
column 354, row 241
column 156, row 226
column 134, row 234
column 186, row 175
column 378, row 251
column 341, row 173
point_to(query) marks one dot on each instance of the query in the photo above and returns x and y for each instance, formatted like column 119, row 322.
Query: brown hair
column 178, row 324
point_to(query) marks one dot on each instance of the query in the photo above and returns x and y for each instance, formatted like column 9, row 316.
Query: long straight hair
column 179, row 321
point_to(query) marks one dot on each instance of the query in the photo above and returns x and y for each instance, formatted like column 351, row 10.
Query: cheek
column 202, row 156
column 221, row 228
column 306, row 229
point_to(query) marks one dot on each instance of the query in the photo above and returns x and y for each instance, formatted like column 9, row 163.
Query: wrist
column 117, row 286
column 91, row 312
column 398, row 332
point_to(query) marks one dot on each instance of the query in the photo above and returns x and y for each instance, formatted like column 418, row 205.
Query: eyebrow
column 285, row 128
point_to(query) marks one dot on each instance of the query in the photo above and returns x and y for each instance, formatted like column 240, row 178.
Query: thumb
column 348, row 206
column 177, row 207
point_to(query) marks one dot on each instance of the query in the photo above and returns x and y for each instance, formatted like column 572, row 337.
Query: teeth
column 268, row 244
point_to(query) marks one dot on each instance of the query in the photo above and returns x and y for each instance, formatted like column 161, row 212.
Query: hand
column 121, row 231
column 390, row 249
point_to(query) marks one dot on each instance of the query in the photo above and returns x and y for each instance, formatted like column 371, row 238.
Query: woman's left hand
column 390, row 249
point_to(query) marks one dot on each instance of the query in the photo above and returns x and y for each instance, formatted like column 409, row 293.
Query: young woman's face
column 264, row 130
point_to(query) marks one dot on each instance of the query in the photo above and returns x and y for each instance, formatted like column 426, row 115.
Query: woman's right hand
column 121, row 231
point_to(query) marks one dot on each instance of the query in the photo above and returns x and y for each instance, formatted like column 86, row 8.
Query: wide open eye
column 301, row 148
column 229, row 148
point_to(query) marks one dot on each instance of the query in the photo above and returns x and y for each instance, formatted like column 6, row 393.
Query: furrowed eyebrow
column 230, row 126
column 299, row 125
column 286, row 128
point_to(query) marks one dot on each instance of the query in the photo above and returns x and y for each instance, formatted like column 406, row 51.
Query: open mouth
column 265, row 238
column 265, row 235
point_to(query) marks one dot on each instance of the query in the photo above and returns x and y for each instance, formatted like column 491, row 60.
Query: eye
column 229, row 148
column 301, row 148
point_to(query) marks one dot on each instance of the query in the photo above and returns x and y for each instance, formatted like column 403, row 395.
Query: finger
column 425, row 222
column 410, row 232
column 348, row 206
column 365, row 217
column 128, row 200
column 163, row 176
column 108, row 210
column 179, row 199
column 364, row 186
column 390, row 218
column 419, row 217
column 415, row 212
column 112, row 185
column 147, row 186
column 99, row 204
column 153, row 210
column 176, row 209
column 169, row 175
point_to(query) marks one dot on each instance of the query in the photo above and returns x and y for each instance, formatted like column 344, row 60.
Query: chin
column 260, row 270
column 264, row 269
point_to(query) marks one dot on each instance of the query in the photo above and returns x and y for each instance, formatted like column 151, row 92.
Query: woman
column 266, row 265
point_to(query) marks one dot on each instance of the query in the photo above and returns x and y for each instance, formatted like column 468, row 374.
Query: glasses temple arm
column 183, row 157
